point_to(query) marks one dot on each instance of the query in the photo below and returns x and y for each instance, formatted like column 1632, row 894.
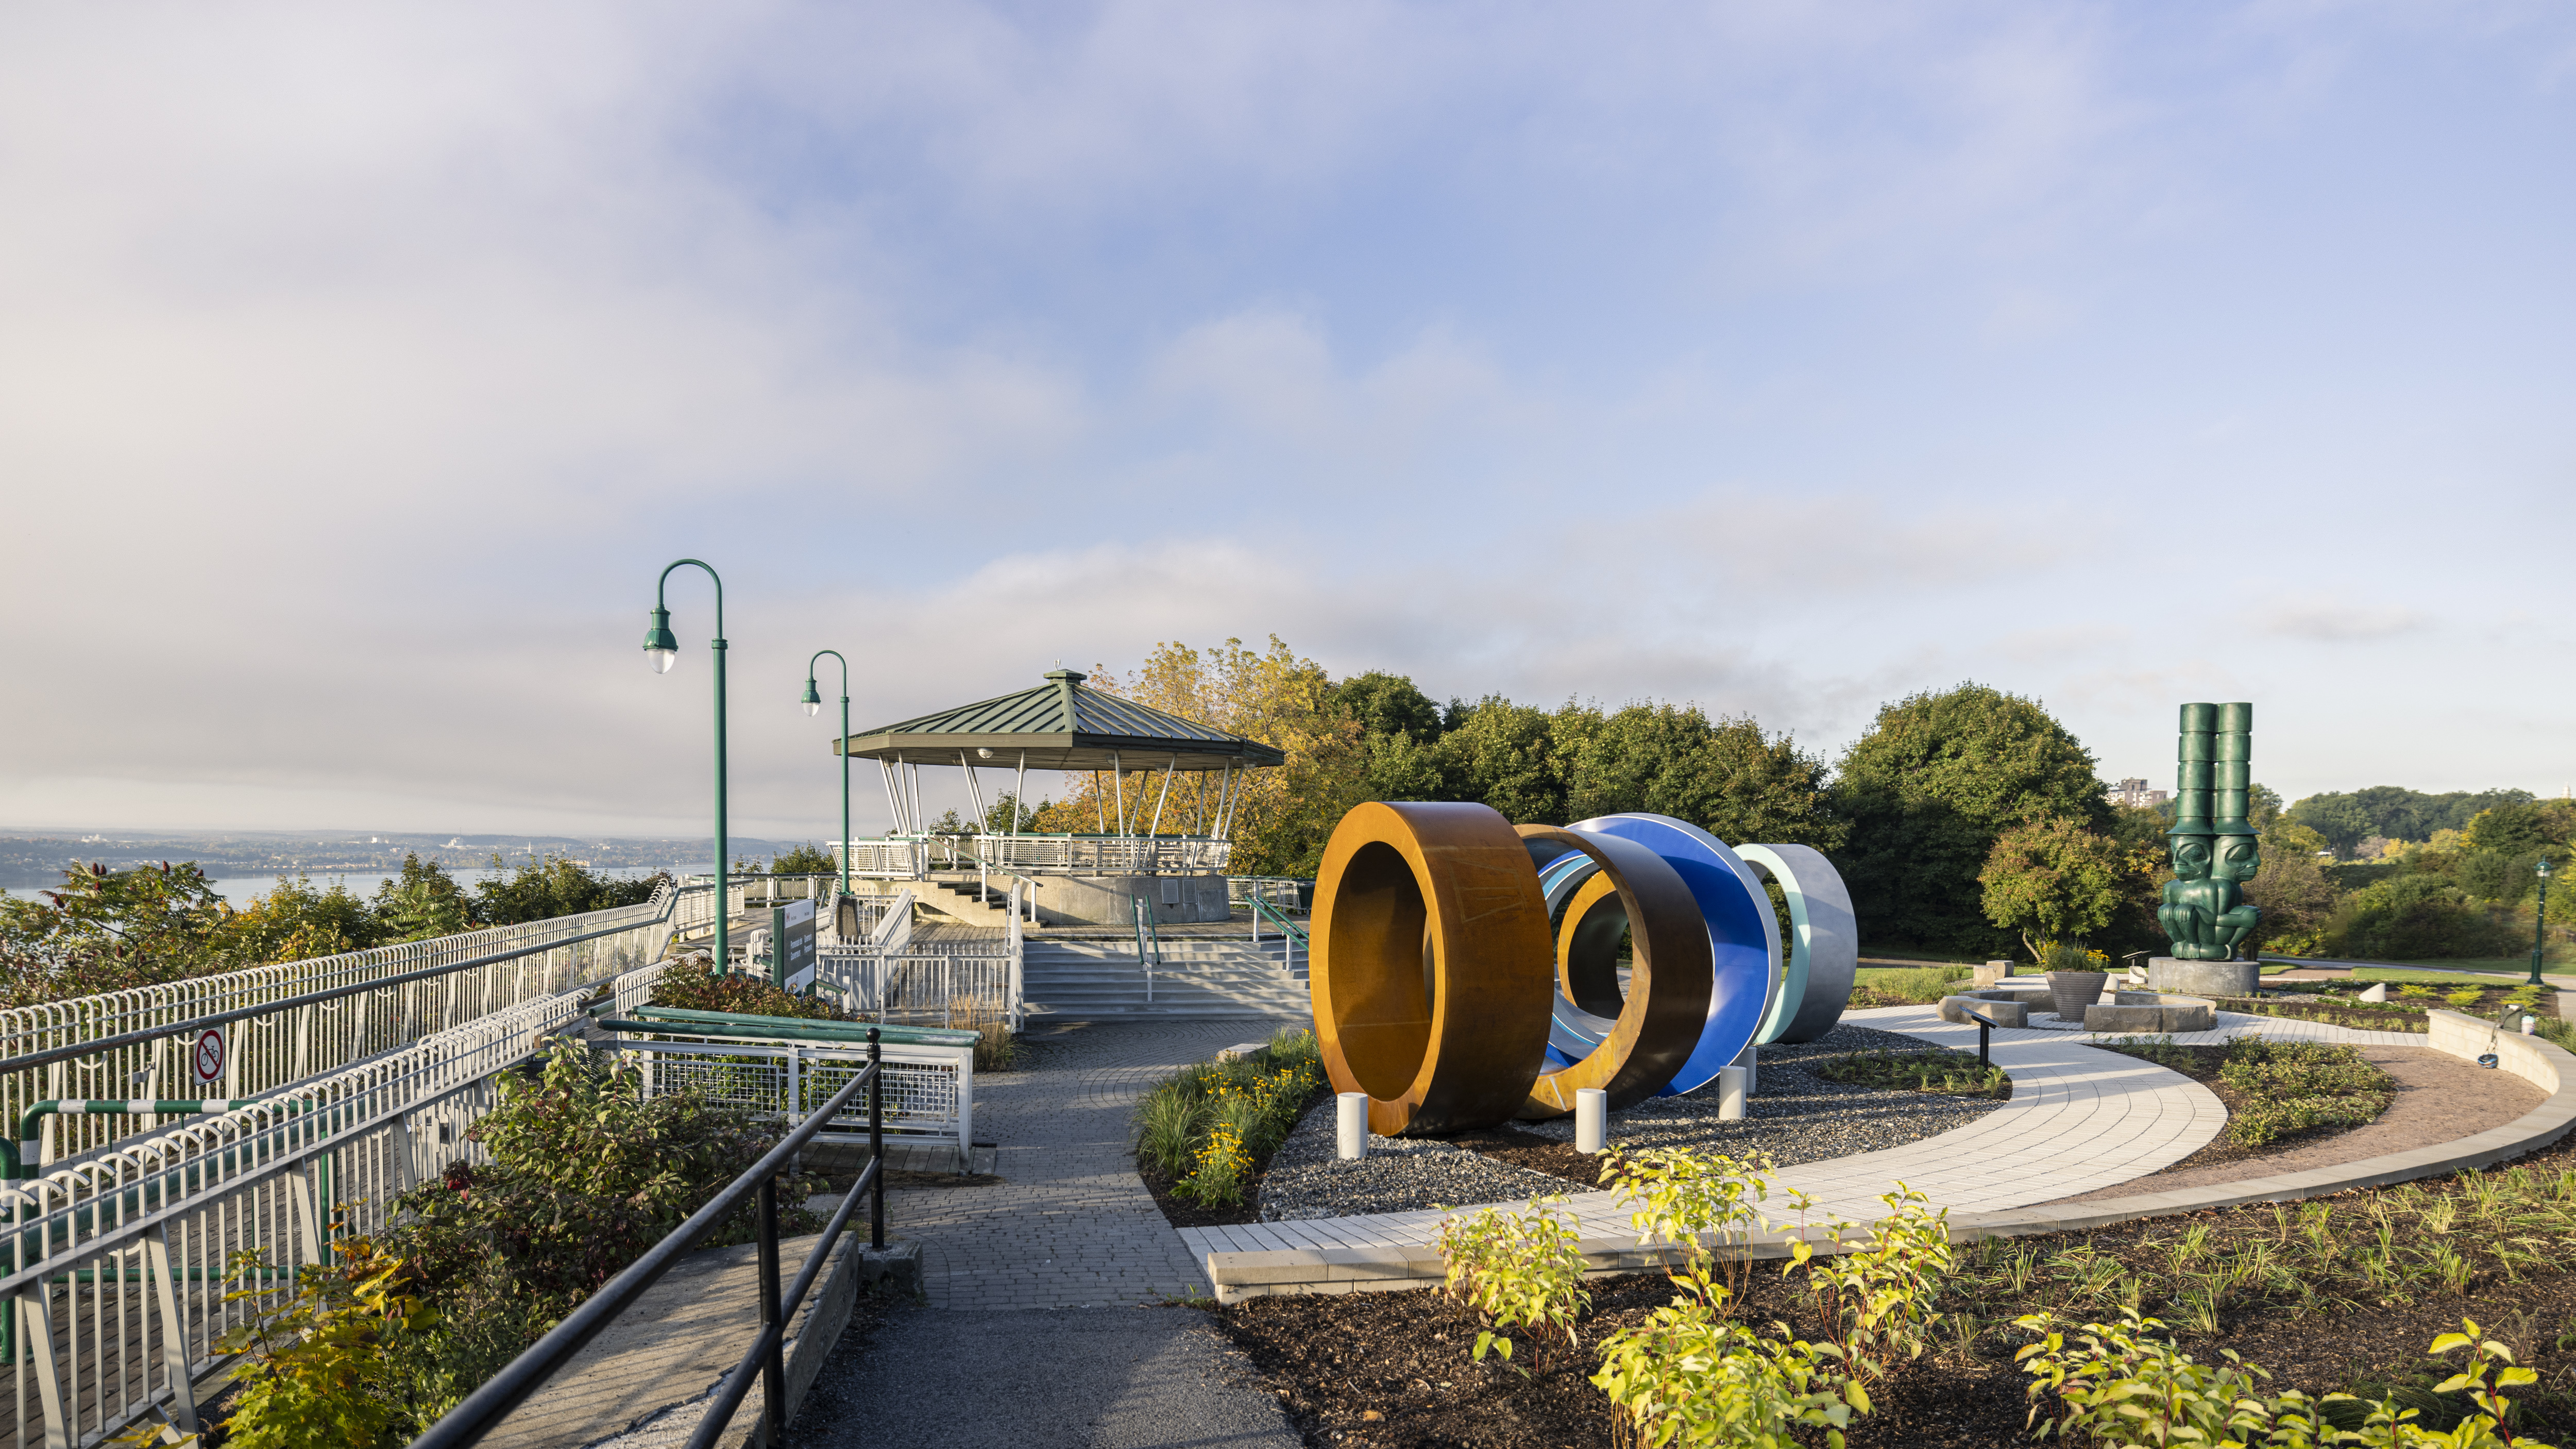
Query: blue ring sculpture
column 1743, row 935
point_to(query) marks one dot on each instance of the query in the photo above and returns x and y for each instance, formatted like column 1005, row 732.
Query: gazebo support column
column 1157, row 827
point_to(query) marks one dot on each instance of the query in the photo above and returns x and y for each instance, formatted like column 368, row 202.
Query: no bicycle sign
column 207, row 1057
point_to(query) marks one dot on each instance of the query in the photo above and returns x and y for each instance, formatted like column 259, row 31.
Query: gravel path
column 1794, row 1117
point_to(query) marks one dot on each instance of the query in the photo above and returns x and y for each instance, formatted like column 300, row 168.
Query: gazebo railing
column 915, row 857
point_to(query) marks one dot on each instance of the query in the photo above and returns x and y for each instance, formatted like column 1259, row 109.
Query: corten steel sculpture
column 1634, row 893
column 1430, row 975
column 2205, row 911
column 1433, row 948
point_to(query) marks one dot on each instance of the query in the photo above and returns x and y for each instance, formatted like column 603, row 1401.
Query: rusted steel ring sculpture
column 1652, row 1030
column 1431, row 961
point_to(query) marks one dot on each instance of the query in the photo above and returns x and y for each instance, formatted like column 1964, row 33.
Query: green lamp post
column 813, row 706
column 2540, row 922
column 664, row 651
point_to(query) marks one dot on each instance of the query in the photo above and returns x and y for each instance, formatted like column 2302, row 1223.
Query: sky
column 361, row 367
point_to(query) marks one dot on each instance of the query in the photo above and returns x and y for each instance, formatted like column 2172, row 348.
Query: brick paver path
column 2079, row 1120
column 1069, row 1225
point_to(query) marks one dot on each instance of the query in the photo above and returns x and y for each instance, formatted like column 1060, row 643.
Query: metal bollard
column 1591, row 1119
column 1350, row 1126
column 1730, row 1094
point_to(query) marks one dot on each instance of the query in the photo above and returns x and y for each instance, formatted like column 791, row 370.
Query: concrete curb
column 1239, row 1276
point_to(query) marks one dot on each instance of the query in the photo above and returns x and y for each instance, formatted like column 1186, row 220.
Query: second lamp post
column 841, row 747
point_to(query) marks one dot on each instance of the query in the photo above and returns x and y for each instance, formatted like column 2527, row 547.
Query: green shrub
column 1688, row 1375
column 2290, row 1086
column 320, row 1354
column 1937, row 1069
column 2416, row 917
column 2124, row 1387
column 585, row 1175
column 1516, row 1270
column 693, row 984
column 1206, row 1125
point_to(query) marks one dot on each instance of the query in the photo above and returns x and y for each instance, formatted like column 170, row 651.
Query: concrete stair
column 1199, row 977
column 970, row 904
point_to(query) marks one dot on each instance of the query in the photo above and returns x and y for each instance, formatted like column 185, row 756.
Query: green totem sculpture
column 2205, row 910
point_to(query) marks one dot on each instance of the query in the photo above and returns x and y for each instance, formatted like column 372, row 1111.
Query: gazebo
column 1060, row 725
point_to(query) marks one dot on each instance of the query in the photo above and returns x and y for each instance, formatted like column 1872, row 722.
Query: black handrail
column 485, row 1408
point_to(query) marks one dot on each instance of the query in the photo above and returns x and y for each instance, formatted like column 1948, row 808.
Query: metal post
column 2540, row 923
column 876, row 1140
column 724, row 865
column 773, row 1374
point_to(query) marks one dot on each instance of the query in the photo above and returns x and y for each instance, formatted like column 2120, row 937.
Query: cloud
column 2324, row 619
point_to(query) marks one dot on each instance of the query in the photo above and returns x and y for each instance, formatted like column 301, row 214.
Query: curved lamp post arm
column 841, row 748
column 664, row 647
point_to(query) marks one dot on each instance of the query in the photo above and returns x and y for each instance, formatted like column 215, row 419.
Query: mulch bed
column 2203, row 1068
column 1181, row 1212
column 1393, row 1369
column 2360, row 1017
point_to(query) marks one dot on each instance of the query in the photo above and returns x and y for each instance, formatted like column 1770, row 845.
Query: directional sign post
column 791, row 950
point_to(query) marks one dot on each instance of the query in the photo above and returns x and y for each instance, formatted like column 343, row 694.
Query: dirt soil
column 1393, row 1369
column 2439, row 1098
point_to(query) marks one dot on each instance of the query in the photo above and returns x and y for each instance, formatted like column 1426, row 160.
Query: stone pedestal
column 2203, row 978
column 2072, row 991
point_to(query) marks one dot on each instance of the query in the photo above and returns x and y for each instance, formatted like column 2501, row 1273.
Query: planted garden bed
column 2339, row 1294
column 2277, row 1093
column 1206, row 1133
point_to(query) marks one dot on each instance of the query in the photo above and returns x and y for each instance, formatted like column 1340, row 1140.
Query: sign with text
column 791, row 952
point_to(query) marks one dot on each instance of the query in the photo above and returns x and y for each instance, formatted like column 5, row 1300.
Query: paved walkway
column 1077, row 1378
column 2079, row 1120
column 1068, row 1226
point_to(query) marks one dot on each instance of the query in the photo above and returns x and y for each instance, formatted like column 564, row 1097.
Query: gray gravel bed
column 1400, row 1174
column 1793, row 1117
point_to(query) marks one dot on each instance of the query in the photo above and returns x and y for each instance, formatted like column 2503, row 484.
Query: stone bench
column 2001, row 1008
column 2152, row 1012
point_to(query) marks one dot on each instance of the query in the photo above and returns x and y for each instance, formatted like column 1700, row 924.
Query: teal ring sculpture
column 1824, row 946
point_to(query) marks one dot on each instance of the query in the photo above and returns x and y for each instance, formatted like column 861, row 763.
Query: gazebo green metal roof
column 1060, row 726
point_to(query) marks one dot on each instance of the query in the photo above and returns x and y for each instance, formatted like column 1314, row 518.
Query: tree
column 556, row 885
column 1282, row 816
column 1388, row 704
column 2054, row 877
column 107, row 930
column 424, row 901
column 1505, row 755
column 1725, row 776
column 805, row 859
column 298, row 921
column 1929, row 788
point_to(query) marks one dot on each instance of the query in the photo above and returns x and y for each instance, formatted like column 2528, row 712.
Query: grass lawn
column 1929, row 958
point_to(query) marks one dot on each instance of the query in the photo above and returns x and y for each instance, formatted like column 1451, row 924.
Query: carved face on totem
column 2237, row 858
column 2191, row 856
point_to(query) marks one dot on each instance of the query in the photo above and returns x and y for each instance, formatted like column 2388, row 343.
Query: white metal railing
column 923, row 988
column 117, row 1264
column 929, row 1090
column 1286, row 893
column 914, row 857
column 271, row 1050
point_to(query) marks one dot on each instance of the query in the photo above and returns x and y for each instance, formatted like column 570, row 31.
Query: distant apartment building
column 2133, row 792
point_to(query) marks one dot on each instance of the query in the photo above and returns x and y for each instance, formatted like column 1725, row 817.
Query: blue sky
column 358, row 370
